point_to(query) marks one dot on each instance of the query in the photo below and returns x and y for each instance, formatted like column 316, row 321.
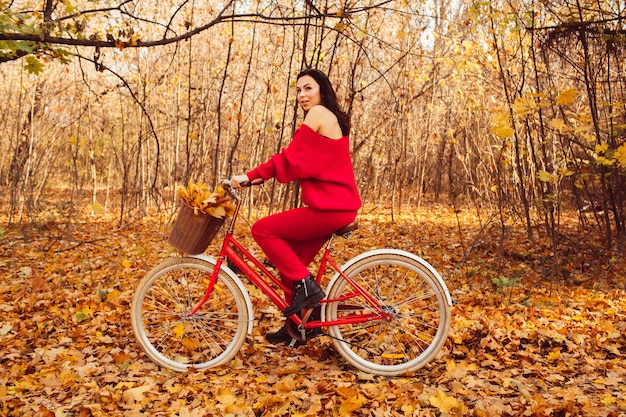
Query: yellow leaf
column 136, row 394
column 523, row 105
column 559, row 124
column 620, row 155
column 126, row 263
column 211, row 199
column 134, row 40
column 554, row 355
column 287, row 384
column 601, row 148
column 408, row 409
column 190, row 343
column 113, row 294
column 179, row 330
column 346, row 392
column 566, row 97
column 124, row 384
column 226, row 397
column 608, row 400
column 393, row 355
column 503, row 131
column 443, row 402
column 349, row 405
column 216, row 211
column 545, row 176
column 501, row 125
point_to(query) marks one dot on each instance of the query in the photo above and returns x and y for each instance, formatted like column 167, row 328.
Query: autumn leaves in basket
column 215, row 203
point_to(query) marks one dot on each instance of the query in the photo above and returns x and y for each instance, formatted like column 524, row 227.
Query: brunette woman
column 319, row 158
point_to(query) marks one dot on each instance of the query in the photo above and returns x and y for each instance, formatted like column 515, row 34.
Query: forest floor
column 534, row 332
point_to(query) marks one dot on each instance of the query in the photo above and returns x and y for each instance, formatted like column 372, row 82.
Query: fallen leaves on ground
column 523, row 342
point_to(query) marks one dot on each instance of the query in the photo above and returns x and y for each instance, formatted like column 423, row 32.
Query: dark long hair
column 329, row 98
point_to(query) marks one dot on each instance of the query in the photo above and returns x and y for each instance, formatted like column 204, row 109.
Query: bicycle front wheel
column 416, row 318
column 163, row 326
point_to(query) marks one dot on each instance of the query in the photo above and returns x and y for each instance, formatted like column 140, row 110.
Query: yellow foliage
column 601, row 148
column 349, row 405
column 215, row 203
column 554, row 355
column 445, row 403
column 502, row 128
column 567, row 97
column 546, row 176
column 179, row 330
column 523, row 105
column 602, row 160
column 559, row 124
column 620, row 156
column 608, row 400
column 78, row 352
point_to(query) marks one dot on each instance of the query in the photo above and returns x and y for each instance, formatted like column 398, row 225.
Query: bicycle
column 387, row 311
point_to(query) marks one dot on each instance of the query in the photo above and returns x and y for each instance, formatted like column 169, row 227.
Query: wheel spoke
column 166, row 332
column 416, row 314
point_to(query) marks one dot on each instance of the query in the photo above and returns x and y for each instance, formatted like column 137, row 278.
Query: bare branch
column 111, row 42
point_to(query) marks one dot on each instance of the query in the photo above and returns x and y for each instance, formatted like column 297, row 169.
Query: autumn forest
column 488, row 137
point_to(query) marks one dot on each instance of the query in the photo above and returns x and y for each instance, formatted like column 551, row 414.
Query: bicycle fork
column 210, row 286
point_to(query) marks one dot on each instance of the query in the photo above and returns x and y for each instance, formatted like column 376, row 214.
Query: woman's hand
column 237, row 181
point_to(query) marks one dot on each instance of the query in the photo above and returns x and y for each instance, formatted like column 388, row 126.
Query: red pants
column 292, row 239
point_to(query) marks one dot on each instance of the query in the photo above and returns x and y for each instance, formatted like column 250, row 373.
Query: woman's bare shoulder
column 323, row 121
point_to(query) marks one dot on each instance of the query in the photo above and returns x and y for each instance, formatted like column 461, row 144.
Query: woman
column 318, row 157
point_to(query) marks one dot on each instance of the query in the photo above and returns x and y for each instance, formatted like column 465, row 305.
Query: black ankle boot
column 305, row 293
column 283, row 336
column 280, row 336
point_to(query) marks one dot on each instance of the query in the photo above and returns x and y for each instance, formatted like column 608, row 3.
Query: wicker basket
column 192, row 233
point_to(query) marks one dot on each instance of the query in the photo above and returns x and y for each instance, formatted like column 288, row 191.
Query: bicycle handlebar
column 246, row 184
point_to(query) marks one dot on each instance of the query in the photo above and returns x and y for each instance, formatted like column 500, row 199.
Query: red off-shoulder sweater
column 322, row 165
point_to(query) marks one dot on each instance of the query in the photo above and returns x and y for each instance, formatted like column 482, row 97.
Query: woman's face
column 308, row 92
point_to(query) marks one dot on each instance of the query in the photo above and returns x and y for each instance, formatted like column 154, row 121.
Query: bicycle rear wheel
column 161, row 321
column 417, row 306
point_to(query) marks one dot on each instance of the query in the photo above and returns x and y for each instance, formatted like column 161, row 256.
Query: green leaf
column 601, row 160
column 33, row 65
column 503, row 281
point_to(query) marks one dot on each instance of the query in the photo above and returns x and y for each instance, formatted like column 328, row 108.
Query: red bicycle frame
column 260, row 276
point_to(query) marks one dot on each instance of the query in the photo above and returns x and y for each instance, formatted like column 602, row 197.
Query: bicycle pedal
column 295, row 333
column 306, row 318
